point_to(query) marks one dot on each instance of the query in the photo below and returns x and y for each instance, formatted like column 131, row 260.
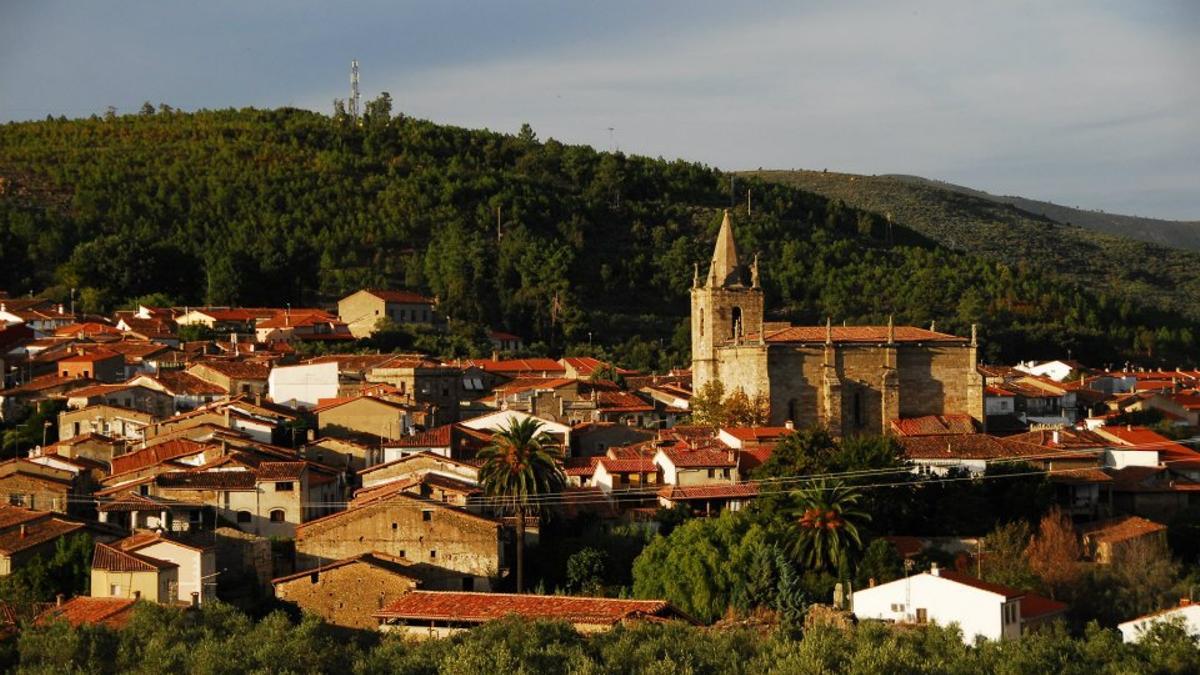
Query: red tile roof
column 111, row 612
column 437, row 437
column 481, row 607
column 207, row 480
column 1007, row 591
column 92, row 356
column 840, row 334
column 112, row 559
column 37, row 532
column 692, row 459
column 934, row 425
column 1120, row 528
column 696, row 492
column 1034, row 606
column 967, row 446
column 621, row 401
column 638, row 465
column 156, row 454
column 758, row 434
column 517, row 366
column 240, row 370
column 183, row 383
column 580, row 466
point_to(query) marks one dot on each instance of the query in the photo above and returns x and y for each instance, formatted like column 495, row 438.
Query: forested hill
column 274, row 206
column 1174, row 233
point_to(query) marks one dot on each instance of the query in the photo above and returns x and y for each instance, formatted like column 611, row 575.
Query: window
column 724, row 473
column 712, row 473
column 114, row 591
column 314, row 577
column 736, row 322
column 432, row 554
column 243, row 516
column 394, row 527
column 468, row 583
column 285, row 486
column 277, row 515
column 427, row 516
column 401, row 553
column 922, row 615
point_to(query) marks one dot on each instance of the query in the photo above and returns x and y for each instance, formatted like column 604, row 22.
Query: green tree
column 519, row 467
column 825, row 532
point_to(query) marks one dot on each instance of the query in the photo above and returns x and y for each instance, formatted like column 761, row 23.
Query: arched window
column 701, row 322
column 277, row 515
column 736, row 322
column 243, row 516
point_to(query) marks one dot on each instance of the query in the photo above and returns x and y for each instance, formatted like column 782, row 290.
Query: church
column 849, row 379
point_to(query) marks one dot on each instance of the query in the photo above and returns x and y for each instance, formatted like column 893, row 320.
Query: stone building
column 455, row 549
column 348, row 592
column 850, row 379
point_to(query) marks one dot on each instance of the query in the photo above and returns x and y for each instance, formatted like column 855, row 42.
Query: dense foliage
column 559, row 243
column 217, row 639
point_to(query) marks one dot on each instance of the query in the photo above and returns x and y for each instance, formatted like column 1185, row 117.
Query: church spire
column 724, row 269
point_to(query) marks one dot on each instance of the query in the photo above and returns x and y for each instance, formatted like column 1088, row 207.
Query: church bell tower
column 726, row 309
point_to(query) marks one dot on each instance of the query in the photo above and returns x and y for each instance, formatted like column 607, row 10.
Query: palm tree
column 519, row 465
column 827, row 524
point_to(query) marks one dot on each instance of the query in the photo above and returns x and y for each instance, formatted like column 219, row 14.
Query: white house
column 503, row 418
column 197, row 565
column 696, row 467
column 1055, row 370
column 978, row 608
column 1186, row 613
column 302, row 386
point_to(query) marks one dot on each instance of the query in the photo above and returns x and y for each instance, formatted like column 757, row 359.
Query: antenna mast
column 354, row 89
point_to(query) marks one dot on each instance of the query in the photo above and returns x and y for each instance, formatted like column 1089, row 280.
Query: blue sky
column 1089, row 103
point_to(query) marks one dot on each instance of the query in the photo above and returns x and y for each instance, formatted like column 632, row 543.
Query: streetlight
column 45, row 429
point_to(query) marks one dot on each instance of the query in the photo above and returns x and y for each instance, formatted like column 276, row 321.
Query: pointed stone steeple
column 724, row 270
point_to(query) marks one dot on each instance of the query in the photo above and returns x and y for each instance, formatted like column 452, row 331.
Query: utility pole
column 747, row 203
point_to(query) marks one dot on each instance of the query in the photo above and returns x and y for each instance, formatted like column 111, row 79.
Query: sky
column 1089, row 103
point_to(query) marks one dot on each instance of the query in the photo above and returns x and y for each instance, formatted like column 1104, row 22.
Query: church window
column 736, row 315
column 791, row 410
column 701, row 324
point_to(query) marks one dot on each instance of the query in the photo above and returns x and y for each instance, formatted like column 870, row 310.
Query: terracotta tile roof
column 37, row 532
column 934, row 425
column 1034, row 606
column 99, row 354
column 1151, row 479
column 1008, row 592
column 481, row 607
column 621, row 401
column 132, row 501
column 517, row 366
column 758, row 434
column 995, row 391
column 112, row 559
column 403, row 297
column 1081, row 476
column 11, row 516
column 1071, row 439
column 80, row 611
column 437, row 437
column 207, row 480
column 88, row 328
column 841, row 334
column 1176, row 455
column 730, row 491
column 99, row 390
column 297, row 317
column 157, row 454
column 968, row 446
column 373, row 493
column 151, row 328
column 240, row 370
column 751, row 458
column 580, row 466
column 523, row 383
column 280, row 471
column 638, row 465
column 691, row 459
column 183, row 383
column 1120, row 528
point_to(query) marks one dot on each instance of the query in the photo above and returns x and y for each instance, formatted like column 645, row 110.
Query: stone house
column 415, row 465
column 130, row 575
column 1105, row 538
column 348, row 592
column 187, row 391
column 25, row 533
column 592, row 439
column 102, row 365
column 457, row 549
column 364, row 418
column 686, row 468
column 131, row 396
column 110, row 420
column 36, row 486
column 437, row 386
column 362, row 310
column 234, row 377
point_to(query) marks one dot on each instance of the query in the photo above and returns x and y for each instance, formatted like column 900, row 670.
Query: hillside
column 1172, row 233
column 973, row 222
column 274, row 206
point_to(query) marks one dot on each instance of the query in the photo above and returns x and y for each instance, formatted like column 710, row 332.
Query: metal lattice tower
column 354, row 89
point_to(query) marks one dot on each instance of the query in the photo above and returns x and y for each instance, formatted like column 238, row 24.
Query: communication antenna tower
column 354, row 89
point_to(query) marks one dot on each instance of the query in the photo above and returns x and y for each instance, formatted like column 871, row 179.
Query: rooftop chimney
column 58, row 600
column 1055, row 438
column 195, row 599
column 22, row 530
column 933, row 569
column 788, row 424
